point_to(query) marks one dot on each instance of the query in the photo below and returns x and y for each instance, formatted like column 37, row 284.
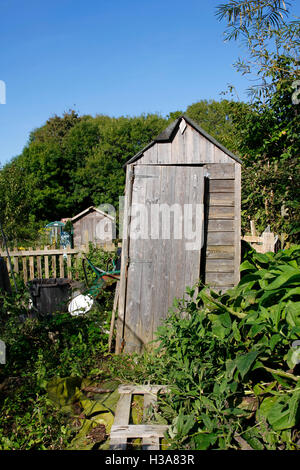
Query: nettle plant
column 231, row 363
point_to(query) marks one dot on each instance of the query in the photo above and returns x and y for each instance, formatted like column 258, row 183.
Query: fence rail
column 47, row 262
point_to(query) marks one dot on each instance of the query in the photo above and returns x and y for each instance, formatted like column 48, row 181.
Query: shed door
column 166, row 260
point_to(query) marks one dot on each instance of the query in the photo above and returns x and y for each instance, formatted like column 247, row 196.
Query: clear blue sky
column 121, row 57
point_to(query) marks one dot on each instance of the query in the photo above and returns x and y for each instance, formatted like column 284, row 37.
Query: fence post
column 39, row 265
column 252, row 227
column 31, row 266
column 268, row 239
column 69, row 265
column 46, row 263
column 25, row 272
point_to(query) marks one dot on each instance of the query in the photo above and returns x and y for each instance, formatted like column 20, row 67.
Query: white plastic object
column 80, row 304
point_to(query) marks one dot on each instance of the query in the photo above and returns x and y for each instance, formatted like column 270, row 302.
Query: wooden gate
column 158, row 268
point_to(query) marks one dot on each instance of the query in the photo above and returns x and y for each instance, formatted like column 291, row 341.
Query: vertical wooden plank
column 150, row 253
column 149, row 443
column 31, row 266
column 77, row 263
column 174, row 150
column 178, row 148
column 220, row 156
column 209, row 152
column 16, row 264
column 164, row 153
column 39, row 272
column 124, row 259
column 202, row 149
column 195, row 197
column 252, row 227
column 39, row 267
column 196, row 148
column 46, row 262
column 113, row 316
column 86, row 237
column 169, row 184
column 177, row 194
column 53, row 266
column 134, row 340
column 237, row 220
column 25, row 272
column 189, row 144
column 268, row 239
column 122, row 415
column 69, row 265
column 61, row 266
column 150, row 155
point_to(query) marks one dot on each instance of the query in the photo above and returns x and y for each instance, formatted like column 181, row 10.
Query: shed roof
column 170, row 131
column 89, row 209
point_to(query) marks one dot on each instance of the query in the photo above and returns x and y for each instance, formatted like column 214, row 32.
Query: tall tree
column 216, row 118
column 268, row 132
column 69, row 163
column 268, row 33
column 102, row 179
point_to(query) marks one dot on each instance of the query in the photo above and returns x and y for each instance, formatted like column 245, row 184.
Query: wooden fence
column 268, row 241
column 46, row 262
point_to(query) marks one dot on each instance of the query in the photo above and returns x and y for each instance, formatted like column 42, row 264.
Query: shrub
column 230, row 361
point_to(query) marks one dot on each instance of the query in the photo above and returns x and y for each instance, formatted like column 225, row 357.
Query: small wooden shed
column 92, row 225
column 184, row 166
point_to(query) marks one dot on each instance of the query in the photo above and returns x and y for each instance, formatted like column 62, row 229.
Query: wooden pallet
column 122, row 430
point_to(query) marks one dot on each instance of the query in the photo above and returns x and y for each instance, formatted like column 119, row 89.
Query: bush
column 36, row 351
column 230, row 361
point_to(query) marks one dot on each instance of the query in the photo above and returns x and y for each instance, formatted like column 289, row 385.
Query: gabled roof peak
column 88, row 210
column 168, row 134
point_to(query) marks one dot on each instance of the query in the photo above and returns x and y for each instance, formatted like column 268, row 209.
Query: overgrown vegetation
column 39, row 350
column 232, row 361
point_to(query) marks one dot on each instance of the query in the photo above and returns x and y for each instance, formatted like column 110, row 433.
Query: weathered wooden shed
column 92, row 225
column 184, row 166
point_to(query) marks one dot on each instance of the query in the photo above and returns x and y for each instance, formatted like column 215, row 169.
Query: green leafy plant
column 37, row 351
column 227, row 359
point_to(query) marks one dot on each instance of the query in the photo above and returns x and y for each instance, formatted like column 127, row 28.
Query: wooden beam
column 138, row 430
column 119, row 442
column 141, row 389
column 237, row 220
column 149, row 443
